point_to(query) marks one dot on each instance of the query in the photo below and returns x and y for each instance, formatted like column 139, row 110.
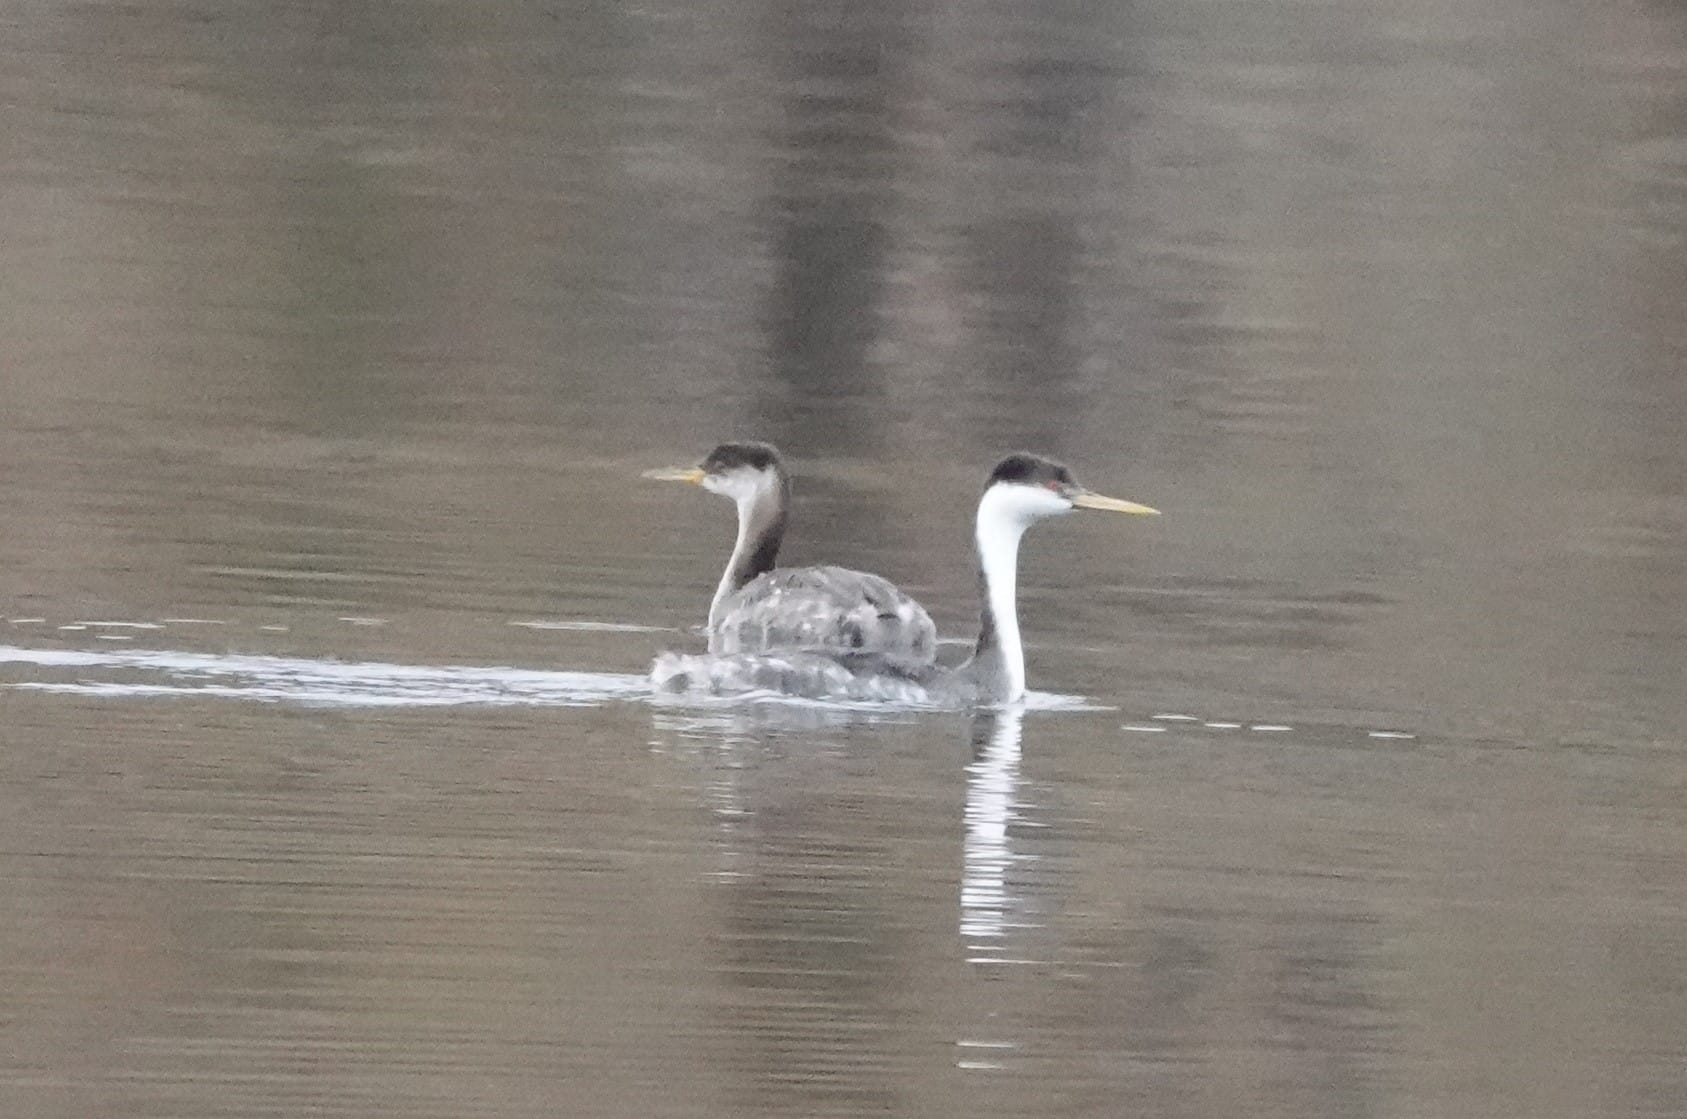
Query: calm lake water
column 336, row 337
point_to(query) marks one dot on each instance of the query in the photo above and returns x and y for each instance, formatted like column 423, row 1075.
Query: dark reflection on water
column 336, row 338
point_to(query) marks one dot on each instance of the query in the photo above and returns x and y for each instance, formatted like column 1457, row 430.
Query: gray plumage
column 758, row 608
column 822, row 661
column 820, row 674
column 823, row 608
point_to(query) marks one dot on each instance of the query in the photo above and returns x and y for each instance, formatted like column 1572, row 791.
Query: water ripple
column 319, row 682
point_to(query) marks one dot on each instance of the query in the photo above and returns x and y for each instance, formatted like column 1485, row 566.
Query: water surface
column 337, row 337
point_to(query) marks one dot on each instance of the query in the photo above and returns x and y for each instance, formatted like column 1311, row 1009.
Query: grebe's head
column 741, row 471
column 1026, row 488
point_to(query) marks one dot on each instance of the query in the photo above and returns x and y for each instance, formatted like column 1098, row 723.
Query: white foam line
column 703, row 710
column 342, row 683
column 72, row 628
column 312, row 681
column 361, row 621
column 194, row 622
column 1145, row 728
column 1175, row 718
column 27, row 621
column 1222, row 726
column 312, row 697
column 590, row 627
column 1270, row 727
column 120, row 625
column 273, row 629
column 114, row 637
column 1055, row 701
column 1389, row 734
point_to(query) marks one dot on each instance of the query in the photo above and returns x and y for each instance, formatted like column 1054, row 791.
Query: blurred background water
column 336, row 335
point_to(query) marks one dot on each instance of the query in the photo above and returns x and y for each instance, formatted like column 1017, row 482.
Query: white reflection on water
column 315, row 682
column 749, row 715
column 992, row 806
column 323, row 682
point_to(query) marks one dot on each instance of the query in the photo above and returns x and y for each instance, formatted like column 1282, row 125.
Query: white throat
column 1004, row 513
column 750, row 491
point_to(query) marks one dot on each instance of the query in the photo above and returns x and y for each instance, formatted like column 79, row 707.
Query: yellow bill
column 1084, row 499
column 692, row 474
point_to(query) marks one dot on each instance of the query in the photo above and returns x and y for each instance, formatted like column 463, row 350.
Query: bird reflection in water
column 989, row 907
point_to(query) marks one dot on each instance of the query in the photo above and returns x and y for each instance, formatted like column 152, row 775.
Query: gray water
column 336, row 336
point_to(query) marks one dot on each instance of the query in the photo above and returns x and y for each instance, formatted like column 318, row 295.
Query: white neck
column 1004, row 513
column 756, row 494
column 746, row 502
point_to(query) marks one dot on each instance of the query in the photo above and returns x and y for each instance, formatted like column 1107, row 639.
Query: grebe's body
column 1022, row 490
column 758, row 607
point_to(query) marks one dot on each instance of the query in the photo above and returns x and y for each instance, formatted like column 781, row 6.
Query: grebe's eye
column 1055, row 486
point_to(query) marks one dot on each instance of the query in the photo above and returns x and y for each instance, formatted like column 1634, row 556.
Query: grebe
column 1022, row 490
column 758, row 607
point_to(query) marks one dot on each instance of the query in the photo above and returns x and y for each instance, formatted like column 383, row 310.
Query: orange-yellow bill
column 692, row 474
column 1084, row 499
